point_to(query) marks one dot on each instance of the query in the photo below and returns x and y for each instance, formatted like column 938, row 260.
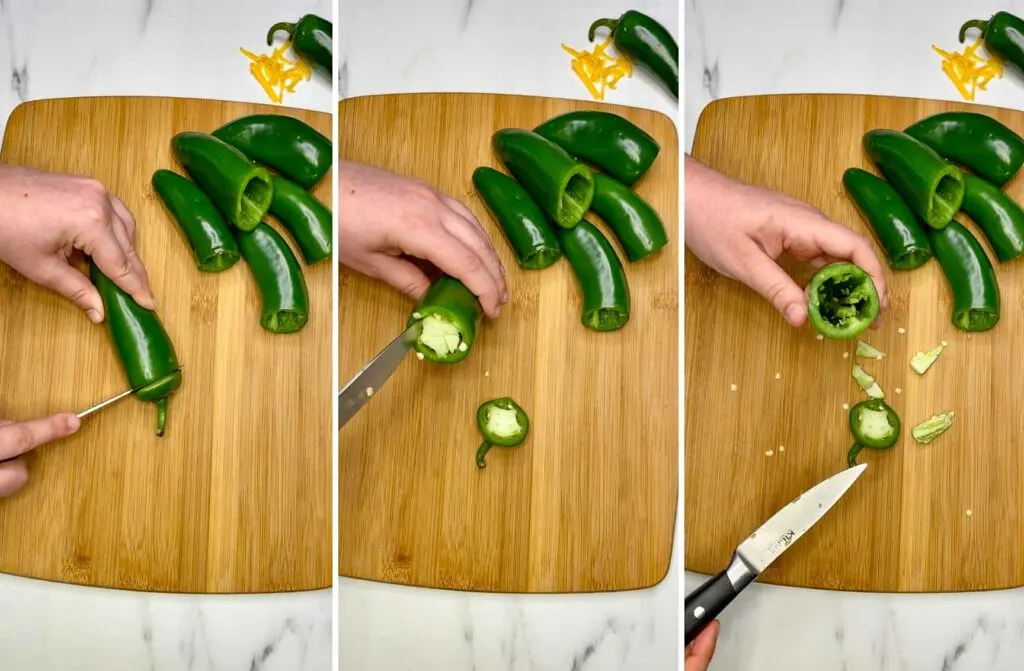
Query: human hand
column 18, row 438
column 697, row 656
column 741, row 230
column 45, row 216
column 384, row 216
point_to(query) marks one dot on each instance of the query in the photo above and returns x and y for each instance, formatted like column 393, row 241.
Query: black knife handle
column 708, row 601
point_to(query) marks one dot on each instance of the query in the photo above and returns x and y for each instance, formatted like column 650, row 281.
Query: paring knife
column 110, row 401
column 763, row 547
column 372, row 377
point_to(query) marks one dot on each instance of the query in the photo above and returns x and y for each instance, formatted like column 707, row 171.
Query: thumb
column 764, row 276
column 76, row 287
column 402, row 275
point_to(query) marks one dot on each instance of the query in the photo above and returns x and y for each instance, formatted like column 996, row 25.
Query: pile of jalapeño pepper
column 573, row 163
column 220, row 212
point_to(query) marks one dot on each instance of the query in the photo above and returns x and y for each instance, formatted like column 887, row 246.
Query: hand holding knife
column 763, row 547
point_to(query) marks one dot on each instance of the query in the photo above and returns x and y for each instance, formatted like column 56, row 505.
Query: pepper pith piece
column 503, row 423
column 842, row 301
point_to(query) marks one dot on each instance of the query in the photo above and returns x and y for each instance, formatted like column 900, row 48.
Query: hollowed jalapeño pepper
column 896, row 228
column 521, row 220
column 600, row 276
column 289, row 145
column 645, row 41
column 975, row 141
column 312, row 39
column 932, row 187
column 874, row 425
column 283, row 294
column 449, row 314
column 143, row 347
column 241, row 190
column 503, row 423
column 841, row 301
column 971, row 278
column 612, row 143
column 561, row 185
column 205, row 230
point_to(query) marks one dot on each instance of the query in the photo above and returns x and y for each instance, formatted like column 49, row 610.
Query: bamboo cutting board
column 922, row 518
column 236, row 496
column 588, row 501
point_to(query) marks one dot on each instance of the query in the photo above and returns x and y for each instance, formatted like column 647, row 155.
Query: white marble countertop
column 743, row 47
column 494, row 46
column 61, row 48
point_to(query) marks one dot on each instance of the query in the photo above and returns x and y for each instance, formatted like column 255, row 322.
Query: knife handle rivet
column 698, row 612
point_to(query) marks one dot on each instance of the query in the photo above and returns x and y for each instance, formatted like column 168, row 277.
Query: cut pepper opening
column 540, row 258
column 219, row 260
column 255, row 201
column 843, row 299
column 606, row 319
column 911, row 259
column 441, row 336
column 576, row 198
column 975, row 319
column 286, row 321
column 945, row 204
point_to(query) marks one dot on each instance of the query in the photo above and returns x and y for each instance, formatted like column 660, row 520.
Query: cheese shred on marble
column 969, row 71
column 276, row 73
column 598, row 70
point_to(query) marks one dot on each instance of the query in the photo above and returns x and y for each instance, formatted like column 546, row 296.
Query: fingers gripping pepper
column 503, row 423
column 645, row 41
column 874, row 425
column 205, row 230
column 895, row 226
column 971, row 277
column 841, row 301
column 521, row 220
column 284, row 143
column 312, row 40
column 976, row 141
column 450, row 314
column 283, row 294
column 143, row 347
column 600, row 276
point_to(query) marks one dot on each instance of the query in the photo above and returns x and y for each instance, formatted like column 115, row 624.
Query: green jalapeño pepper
column 971, row 277
column 206, row 232
column 895, row 227
column 312, row 40
column 600, row 276
column 239, row 189
column 636, row 225
column 503, row 423
column 933, row 188
column 646, row 42
column 561, row 185
column 143, row 347
column 283, row 294
column 1003, row 35
column 612, row 143
column 841, row 301
column 449, row 315
column 307, row 219
column 1001, row 219
column 524, row 224
column 874, row 425
column 288, row 145
column 975, row 141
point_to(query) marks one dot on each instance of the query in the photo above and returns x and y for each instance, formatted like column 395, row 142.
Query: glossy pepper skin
column 312, row 40
column 521, row 220
column 842, row 301
column 241, row 190
column 872, row 406
column 614, row 144
column 307, row 219
column 976, row 141
column 288, row 145
column 636, row 225
column 998, row 216
column 932, row 187
column 491, row 438
column 645, row 41
column 894, row 225
column 1003, row 35
column 600, row 276
column 452, row 301
column 146, row 353
column 561, row 185
column 283, row 293
column 198, row 219
column 970, row 275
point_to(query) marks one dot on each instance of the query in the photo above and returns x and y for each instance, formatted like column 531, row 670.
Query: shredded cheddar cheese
column 597, row 69
column 969, row 71
column 276, row 73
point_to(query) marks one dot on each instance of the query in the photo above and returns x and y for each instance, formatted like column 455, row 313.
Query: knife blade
column 114, row 399
column 372, row 377
column 762, row 548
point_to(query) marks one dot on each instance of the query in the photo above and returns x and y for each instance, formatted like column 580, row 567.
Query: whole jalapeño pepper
column 645, row 41
column 143, row 347
column 289, row 145
column 636, row 225
column 305, row 217
column 312, row 39
column 976, row 141
column 997, row 215
column 1003, row 34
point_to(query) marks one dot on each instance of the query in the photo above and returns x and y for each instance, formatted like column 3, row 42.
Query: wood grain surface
column 588, row 501
column 236, row 496
column 922, row 518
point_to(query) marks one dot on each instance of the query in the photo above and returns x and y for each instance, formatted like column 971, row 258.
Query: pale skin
column 44, row 218
column 391, row 224
column 697, row 656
